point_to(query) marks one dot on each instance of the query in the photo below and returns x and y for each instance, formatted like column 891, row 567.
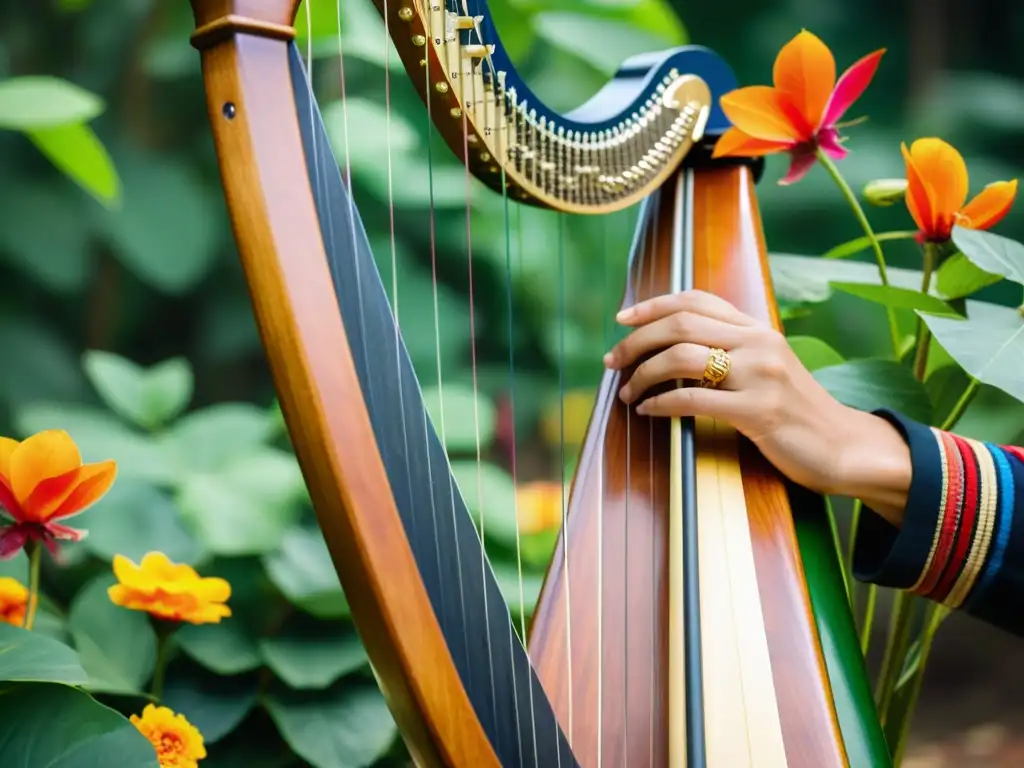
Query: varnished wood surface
column 275, row 224
column 621, row 484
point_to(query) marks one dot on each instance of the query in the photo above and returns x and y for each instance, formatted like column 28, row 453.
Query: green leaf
column 304, row 572
column 78, row 152
column 31, row 657
column 348, row 727
column 992, row 253
column 313, row 656
column 45, row 233
column 872, row 384
column 117, row 646
column 490, row 496
column 861, row 244
column 225, row 648
column 135, row 518
column 574, row 33
column 214, row 705
column 814, row 353
column 147, row 397
column 101, row 436
column 958, row 277
column 989, row 344
column 60, row 727
column 210, row 439
column 469, row 419
column 807, row 279
column 41, row 365
column 897, row 298
column 170, row 228
column 39, row 101
column 246, row 507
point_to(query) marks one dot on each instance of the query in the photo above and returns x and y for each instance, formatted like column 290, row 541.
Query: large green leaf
column 214, row 705
column 872, row 384
column 54, row 726
column 171, row 224
column 39, row 101
column 813, row 352
column 146, row 396
column 209, row 439
column 77, row 151
column 246, row 507
column 343, row 727
column 313, row 656
column 896, row 297
column 989, row 344
column 46, row 366
column 490, row 497
column 135, row 518
column 117, row 646
column 226, row 648
column 959, row 277
column 30, row 657
column 991, row 252
column 809, row 278
column 304, row 572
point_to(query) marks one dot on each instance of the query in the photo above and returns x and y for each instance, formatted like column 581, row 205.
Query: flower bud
column 885, row 192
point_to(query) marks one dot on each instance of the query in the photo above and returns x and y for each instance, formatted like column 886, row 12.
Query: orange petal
column 762, row 112
column 45, row 455
column 735, row 143
column 48, row 496
column 944, row 173
column 93, row 482
column 805, row 72
column 918, row 201
column 7, row 446
column 989, row 206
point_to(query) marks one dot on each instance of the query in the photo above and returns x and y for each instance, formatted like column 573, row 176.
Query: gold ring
column 717, row 368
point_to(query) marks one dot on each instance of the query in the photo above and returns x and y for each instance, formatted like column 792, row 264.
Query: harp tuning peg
column 477, row 51
column 468, row 22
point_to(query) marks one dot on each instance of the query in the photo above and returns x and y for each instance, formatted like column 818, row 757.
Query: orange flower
column 177, row 742
column 168, row 590
column 937, row 190
column 801, row 113
column 13, row 601
column 539, row 507
column 43, row 480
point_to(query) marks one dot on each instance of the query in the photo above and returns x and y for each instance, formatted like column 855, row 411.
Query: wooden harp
column 694, row 613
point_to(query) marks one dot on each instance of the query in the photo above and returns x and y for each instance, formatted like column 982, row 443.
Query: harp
column 694, row 613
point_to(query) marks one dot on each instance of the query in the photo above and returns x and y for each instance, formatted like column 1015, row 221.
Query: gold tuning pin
column 468, row 22
column 477, row 51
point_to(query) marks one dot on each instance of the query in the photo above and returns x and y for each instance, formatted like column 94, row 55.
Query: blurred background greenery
column 115, row 246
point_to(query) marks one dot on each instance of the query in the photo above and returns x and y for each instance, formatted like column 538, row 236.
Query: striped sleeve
column 962, row 538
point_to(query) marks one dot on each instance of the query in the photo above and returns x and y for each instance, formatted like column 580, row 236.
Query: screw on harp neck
column 219, row 20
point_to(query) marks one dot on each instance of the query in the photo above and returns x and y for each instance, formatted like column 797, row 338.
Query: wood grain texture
column 619, row 502
column 275, row 224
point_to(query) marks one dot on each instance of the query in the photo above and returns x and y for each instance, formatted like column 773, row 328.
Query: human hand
column 768, row 396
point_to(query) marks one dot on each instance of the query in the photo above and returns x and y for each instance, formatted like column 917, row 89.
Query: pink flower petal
column 850, row 87
column 828, row 140
column 800, row 164
column 12, row 541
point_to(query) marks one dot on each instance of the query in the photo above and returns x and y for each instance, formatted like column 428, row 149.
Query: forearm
column 873, row 464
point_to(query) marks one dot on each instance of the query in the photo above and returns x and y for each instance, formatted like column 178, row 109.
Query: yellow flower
column 177, row 742
column 13, row 600
column 539, row 507
column 169, row 591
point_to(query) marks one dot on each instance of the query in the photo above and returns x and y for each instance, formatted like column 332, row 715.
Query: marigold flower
column 801, row 113
column 937, row 186
column 177, row 742
column 42, row 480
column 539, row 506
column 13, row 601
column 169, row 591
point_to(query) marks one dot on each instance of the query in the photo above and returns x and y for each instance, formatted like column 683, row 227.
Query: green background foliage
column 124, row 318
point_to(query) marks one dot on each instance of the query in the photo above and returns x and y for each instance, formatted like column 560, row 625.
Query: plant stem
column 923, row 334
column 869, row 619
column 35, row 559
column 163, row 641
column 876, row 246
column 961, row 405
column 850, row 545
column 896, row 647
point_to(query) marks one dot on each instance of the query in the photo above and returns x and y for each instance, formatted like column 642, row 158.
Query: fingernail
column 608, row 360
column 624, row 394
column 624, row 315
column 642, row 408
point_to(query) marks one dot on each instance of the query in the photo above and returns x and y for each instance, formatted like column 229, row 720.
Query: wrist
column 873, row 464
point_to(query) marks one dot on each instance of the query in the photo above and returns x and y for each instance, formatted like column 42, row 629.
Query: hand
column 768, row 396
